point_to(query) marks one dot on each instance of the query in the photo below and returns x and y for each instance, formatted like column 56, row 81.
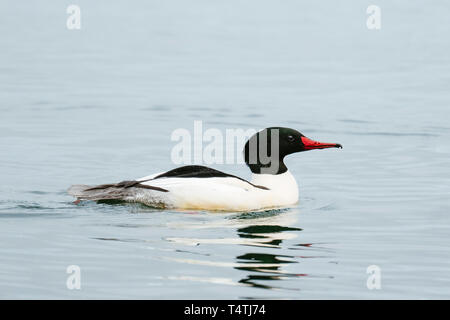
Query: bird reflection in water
column 270, row 233
column 265, row 266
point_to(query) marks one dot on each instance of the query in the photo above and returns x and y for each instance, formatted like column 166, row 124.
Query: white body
column 220, row 193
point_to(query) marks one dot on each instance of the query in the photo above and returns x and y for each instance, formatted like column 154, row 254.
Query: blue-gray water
column 99, row 104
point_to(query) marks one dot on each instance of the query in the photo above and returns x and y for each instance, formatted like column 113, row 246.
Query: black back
column 195, row 171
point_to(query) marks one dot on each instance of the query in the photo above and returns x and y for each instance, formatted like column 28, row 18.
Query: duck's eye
column 291, row 138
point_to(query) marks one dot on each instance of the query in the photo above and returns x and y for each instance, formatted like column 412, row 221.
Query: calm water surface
column 99, row 104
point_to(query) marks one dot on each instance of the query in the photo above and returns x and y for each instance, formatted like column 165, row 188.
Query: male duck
column 203, row 188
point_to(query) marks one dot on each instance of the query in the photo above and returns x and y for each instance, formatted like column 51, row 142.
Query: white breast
column 284, row 188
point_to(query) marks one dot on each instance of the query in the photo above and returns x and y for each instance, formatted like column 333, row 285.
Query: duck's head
column 264, row 151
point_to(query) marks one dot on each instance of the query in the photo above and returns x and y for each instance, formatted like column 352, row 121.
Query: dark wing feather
column 113, row 191
column 200, row 172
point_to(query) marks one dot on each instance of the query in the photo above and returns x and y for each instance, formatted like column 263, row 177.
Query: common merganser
column 203, row 188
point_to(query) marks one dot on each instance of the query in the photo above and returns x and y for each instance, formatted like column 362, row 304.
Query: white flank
column 225, row 194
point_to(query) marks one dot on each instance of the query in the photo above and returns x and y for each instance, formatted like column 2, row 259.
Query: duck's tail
column 124, row 190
